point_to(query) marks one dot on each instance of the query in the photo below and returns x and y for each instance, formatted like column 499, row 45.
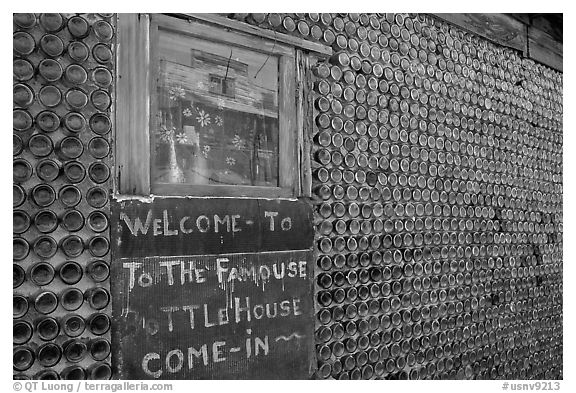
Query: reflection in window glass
column 217, row 120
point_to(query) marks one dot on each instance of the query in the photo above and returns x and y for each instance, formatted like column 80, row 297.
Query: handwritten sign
column 225, row 315
column 170, row 226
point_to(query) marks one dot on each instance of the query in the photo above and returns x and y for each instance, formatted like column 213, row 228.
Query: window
column 217, row 114
column 210, row 107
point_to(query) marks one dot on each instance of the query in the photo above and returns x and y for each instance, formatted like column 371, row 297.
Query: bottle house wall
column 430, row 246
column 63, row 98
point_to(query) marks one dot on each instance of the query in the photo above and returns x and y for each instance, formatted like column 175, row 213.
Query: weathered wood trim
column 524, row 18
column 170, row 189
column 548, row 24
column 300, row 72
column 132, row 150
column 499, row 28
column 305, row 102
column 154, row 124
column 513, row 31
column 543, row 48
column 288, row 125
column 222, row 34
column 269, row 34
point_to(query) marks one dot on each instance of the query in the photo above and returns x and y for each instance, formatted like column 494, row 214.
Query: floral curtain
column 202, row 141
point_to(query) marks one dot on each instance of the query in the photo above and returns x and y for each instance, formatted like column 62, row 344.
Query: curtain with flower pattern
column 217, row 124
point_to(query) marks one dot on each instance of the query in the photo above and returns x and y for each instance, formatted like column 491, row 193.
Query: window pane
column 217, row 120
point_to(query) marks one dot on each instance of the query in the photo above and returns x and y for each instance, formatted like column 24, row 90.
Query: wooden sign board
column 185, row 226
column 234, row 313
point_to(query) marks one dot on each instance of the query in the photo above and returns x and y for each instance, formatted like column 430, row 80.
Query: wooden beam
column 305, row 120
column 269, row 34
column 524, row 18
column 133, row 106
column 209, row 190
column 215, row 32
column 551, row 24
column 514, row 31
column 499, row 28
column 288, row 126
column 545, row 49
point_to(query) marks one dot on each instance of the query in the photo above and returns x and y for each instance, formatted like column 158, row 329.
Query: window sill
column 171, row 189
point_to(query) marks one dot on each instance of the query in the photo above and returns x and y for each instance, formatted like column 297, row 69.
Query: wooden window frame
column 136, row 102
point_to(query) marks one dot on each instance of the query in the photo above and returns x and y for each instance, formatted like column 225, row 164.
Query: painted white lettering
column 179, row 361
column 203, row 228
column 238, row 309
column 169, row 310
column 156, row 226
column 233, row 275
column 216, row 351
column 264, row 272
column 146, row 360
column 192, row 353
column 200, row 277
column 292, row 269
column 137, row 225
column 220, row 221
column 169, row 265
column 296, row 305
column 222, row 316
column 235, row 228
column 221, row 267
column 269, row 313
column 186, row 271
column 183, row 229
column 302, row 270
column 206, row 322
column 168, row 231
column 152, row 326
column 286, row 224
column 132, row 267
column 258, row 311
column 271, row 215
column 248, row 344
column 277, row 275
column 258, row 343
column 191, row 309
column 247, row 273
column 285, row 308
column 145, row 280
